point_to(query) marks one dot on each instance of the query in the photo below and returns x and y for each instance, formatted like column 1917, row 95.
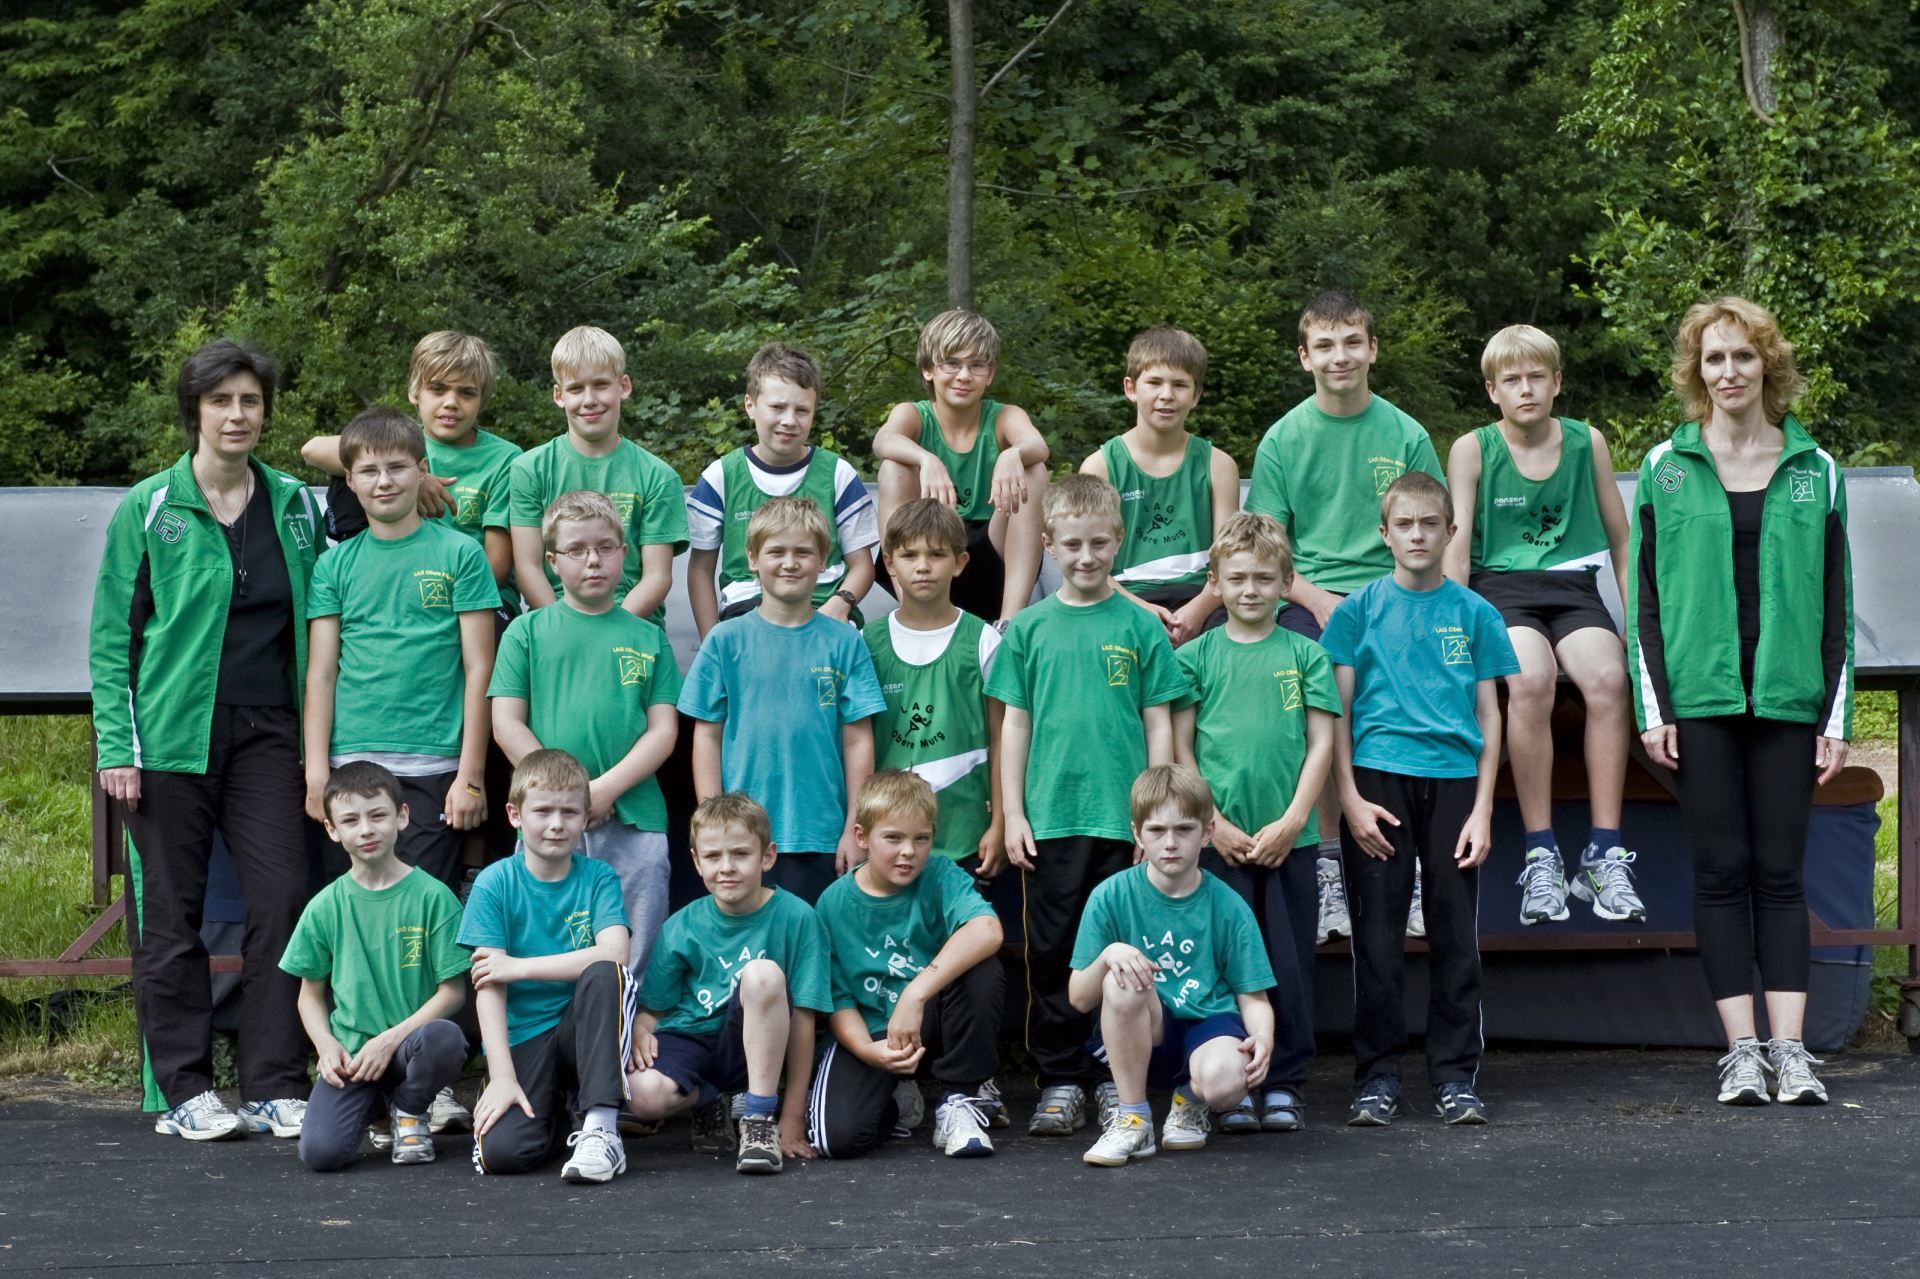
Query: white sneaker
column 1127, row 1136
column 1188, row 1124
column 202, row 1118
column 282, row 1117
column 960, row 1128
column 1334, row 921
column 1417, row 912
column 597, row 1156
column 1792, row 1067
column 911, row 1104
column 447, row 1114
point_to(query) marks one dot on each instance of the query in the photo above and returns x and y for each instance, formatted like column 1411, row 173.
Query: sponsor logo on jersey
column 635, row 666
column 1800, row 485
column 172, row 528
column 1120, row 664
column 1669, row 475
column 436, row 588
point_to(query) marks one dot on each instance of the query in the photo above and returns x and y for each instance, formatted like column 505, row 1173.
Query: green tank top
column 935, row 725
column 972, row 471
column 1521, row 524
column 743, row 497
column 1169, row 521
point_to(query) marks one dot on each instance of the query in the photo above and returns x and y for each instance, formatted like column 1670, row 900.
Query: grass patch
column 1876, row 716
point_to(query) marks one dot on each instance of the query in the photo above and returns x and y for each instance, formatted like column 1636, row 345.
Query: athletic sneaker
column 1543, row 888
column 759, row 1145
column 202, row 1118
column 1241, row 1119
column 448, row 1115
column 1457, row 1103
column 282, row 1117
column 410, row 1138
column 1417, row 911
column 912, row 1105
column 960, row 1128
column 1189, row 1122
column 1334, row 920
column 1281, row 1111
column 1743, row 1074
column 1060, row 1112
column 1608, row 884
column 1792, row 1067
column 597, row 1156
column 713, row 1128
column 1376, row 1104
column 1126, row 1136
column 1106, row 1100
column 380, row 1133
column 993, row 1105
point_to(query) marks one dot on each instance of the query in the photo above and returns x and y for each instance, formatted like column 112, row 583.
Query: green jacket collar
column 183, row 488
column 1686, row 439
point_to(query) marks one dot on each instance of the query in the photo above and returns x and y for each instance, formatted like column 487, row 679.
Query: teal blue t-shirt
column 1206, row 945
column 1417, row 658
column 697, row 959
column 881, row 943
column 510, row 910
column 784, row 692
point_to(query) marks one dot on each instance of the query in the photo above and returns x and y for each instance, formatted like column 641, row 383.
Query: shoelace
column 606, row 1140
column 1612, row 872
column 200, row 1107
column 1538, row 877
column 1786, row 1054
column 1748, row 1055
column 969, row 1106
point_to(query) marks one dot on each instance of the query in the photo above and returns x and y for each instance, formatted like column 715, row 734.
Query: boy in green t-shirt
column 552, row 992
column 730, row 996
column 1321, row 471
column 380, row 972
column 599, row 683
column 916, row 982
column 1086, row 677
column 1172, row 960
column 399, row 649
column 932, row 661
column 783, row 390
column 1258, row 725
column 984, row 460
column 590, row 383
column 1539, row 516
column 1176, row 490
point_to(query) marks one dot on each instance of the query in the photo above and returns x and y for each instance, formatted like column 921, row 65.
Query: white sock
column 600, row 1118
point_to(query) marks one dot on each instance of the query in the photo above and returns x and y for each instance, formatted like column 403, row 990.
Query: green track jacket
column 160, row 615
column 1683, row 637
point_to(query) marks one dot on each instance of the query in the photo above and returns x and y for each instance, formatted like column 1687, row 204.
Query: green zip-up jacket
column 1682, row 601
column 160, row 615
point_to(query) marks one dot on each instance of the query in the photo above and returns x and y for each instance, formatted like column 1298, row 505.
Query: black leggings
column 1746, row 791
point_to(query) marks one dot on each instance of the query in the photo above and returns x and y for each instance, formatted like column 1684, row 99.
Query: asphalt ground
column 1615, row 1162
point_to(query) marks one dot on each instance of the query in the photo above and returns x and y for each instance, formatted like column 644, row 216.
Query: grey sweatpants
column 427, row 1060
column 639, row 858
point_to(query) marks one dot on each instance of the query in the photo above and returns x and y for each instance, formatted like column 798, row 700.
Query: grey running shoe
column 759, row 1145
column 993, row 1105
column 1189, row 1123
column 1457, row 1103
column 446, row 1114
column 1376, row 1104
column 1242, row 1118
column 1543, row 887
column 1334, row 920
column 597, row 1156
column 1106, row 1100
column 410, row 1139
column 1743, row 1074
column 1417, row 911
column 1127, row 1136
column 713, row 1128
column 1608, row 884
column 1792, row 1066
column 1060, row 1112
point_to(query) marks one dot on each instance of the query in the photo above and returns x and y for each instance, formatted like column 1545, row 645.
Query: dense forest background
column 333, row 178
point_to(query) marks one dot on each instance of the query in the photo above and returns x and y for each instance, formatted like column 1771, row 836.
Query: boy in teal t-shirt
column 1258, row 725
column 1087, row 678
column 730, row 996
column 916, row 984
column 783, row 696
column 1172, row 959
column 1176, row 490
column 1416, row 657
column 592, row 679
column 553, row 994
column 400, row 643
column 380, row 973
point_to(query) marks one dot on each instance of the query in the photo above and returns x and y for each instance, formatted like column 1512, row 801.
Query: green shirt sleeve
column 474, row 589
column 110, row 647
column 665, row 982
column 511, row 676
column 960, row 902
column 1267, row 495
column 605, row 902
column 664, row 690
column 1422, row 456
column 309, row 952
column 524, row 504
column 444, row 951
column 809, row 984
column 663, row 511
column 1165, row 680
column 1191, row 669
column 1007, row 681
column 1247, row 967
column 323, row 591
column 1316, row 678
column 1096, row 928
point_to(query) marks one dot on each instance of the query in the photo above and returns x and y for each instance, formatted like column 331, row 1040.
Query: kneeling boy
column 730, row 994
column 915, row 979
column 381, row 940
column 1171, row 958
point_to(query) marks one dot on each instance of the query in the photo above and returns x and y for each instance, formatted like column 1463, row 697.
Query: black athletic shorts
column 1556, row 604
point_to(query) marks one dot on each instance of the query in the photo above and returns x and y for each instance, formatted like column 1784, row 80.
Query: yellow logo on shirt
column 436, row 588
column 635, row 666
column 580, row 929
column 1289, row 689
column 1456, row 649
column 624, row 503
column 826, row 685
column 413, row 944
column 1385, row 471
column 1120, row 664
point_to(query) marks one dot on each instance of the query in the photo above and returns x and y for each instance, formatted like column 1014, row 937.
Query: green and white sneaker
column 1126, row 1137
column 1792, row 1066
column 1189, row 1123
column 1608, row 884
column 202, row 1118
column 282, row 1117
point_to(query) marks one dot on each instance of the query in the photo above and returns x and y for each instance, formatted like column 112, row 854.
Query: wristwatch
column 844, row 594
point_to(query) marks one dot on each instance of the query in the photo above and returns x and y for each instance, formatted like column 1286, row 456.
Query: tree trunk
column 960, row 134
column 1760, row 38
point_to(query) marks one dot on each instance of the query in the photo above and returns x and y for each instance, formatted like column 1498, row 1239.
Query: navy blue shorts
column 704, row 1066
column 1180, row 1038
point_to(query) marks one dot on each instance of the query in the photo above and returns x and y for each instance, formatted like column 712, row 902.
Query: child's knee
column 1219, row 1074
column 1604, row 685
column 1533, row 688
column 1123, row 997
column 328, row 1151
column 762, row 984
column 653, row 1095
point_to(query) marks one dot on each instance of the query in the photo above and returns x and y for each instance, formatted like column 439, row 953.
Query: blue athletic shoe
column 1457, row 1103
column 1376, row 1104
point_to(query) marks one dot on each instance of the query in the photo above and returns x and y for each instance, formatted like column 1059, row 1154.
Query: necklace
column 237, row 551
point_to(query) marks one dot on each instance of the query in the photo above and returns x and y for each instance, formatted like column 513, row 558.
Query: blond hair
column 785, row 514
column 1781, row 382
column 778, row 360
column 725, row 809
column 1417, row 486
column 1516, row 346
column 1174, row 784
column 951, row 334
column 446, row 356
column 890, row 791
column 1175, row 348
column 1332, row 309
column 546, row 770
column 1082, row 495
column 577, row 507
column 587, row 349
column 926, row 520
column 1261, row 534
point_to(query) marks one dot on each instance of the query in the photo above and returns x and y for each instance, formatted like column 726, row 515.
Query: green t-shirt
column 1250, row 729
column 588, row 679
column 1084, row 675
column 1206, row 944
column 1323, row 477
column 1168, row 518
column 972, row 471
column 935, row 724
column 881, row 943
column 481, row 492
column 402, row 683
column 510, row 910
column 701, row 949
column 383, row 952
column 1521, row 524
column 645, row 492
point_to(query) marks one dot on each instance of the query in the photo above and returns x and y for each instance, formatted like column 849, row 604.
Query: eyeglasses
column 979, row 368
column 605, row 550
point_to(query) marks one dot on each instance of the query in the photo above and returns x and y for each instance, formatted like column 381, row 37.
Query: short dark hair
column 362, row 777
column 381, row 430
column 778, row 360
column 1417, row 486
column 926, row 520
column 1333, row 308
column 211, row 365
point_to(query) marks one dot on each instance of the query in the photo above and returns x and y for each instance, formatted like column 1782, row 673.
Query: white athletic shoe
column 597, row 1156
column 282, row 1117
column 1792, row 1066
column 448, row 1115
column 1417, row 912
column 1334, row 921
column 202, row 1118
column 1127, row 1136
column 960, row 1128
column 1188, row 1125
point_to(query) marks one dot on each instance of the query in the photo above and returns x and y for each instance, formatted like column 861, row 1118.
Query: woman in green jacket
column 1740, row 650
column 197, row 656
